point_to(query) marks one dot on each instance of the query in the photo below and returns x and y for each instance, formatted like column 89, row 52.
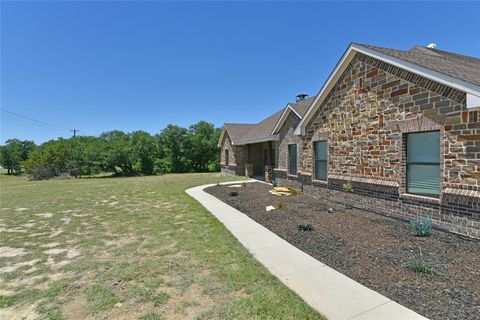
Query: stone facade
column 287, row 137
column 236, row 157
column 365, row 119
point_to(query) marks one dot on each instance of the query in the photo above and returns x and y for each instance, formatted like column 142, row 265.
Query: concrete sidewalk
column 329, row 292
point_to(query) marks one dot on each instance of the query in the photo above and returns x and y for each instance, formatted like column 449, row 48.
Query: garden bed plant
column 434, row 272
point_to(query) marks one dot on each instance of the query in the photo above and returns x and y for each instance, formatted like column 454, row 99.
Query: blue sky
column 99, row 66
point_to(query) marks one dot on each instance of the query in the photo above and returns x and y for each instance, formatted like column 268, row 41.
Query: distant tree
column 204, row 150
column 14, row 152
column 52, row 158
column 174, row 145
column 145, row 148
column 118, row 152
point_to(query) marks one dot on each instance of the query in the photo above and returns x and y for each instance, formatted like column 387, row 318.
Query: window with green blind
column 292, row 159
column 320, row 160
column 423, row 163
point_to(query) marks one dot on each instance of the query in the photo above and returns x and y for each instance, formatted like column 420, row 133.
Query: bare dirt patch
column 46, row 215
column 8, row 252
column 25, row 312
column 373, row 250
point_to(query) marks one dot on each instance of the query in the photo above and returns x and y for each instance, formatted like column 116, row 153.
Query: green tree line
column 174, row 149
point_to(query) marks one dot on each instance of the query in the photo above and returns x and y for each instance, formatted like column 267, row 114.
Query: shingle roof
column 452, row 64
column 237, row 130
column 248, row 133
column 263, row 129
column 302, row 106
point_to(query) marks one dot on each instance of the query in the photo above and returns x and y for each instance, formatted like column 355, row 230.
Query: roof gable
column 407, row 61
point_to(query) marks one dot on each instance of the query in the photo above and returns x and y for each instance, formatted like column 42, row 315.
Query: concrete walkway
column 329, row 292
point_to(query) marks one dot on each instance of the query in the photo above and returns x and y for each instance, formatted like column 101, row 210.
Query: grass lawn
column 127, row 248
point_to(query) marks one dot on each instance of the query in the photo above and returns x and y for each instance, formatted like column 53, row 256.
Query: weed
column 233, row 193
column 347, row 187
column 274, row 183
column 421, row 265
column 100, row 297
column 151, row 316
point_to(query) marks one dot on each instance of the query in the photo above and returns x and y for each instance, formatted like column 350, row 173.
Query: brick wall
column 365, row 119
column 236, row 157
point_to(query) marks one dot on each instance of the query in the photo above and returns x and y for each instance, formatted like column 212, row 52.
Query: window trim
column 227, row 157
column 314, row 171
column 439, row 164
column 290, row 160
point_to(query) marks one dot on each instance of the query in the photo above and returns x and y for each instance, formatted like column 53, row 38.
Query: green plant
column 347, row 187
column 233, row 193
column 422, row 226
column 420, row 265
column 305, row 227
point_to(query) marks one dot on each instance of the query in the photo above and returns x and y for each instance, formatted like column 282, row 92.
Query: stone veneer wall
column 365, row 119
column 287, row 137
column 236, row 155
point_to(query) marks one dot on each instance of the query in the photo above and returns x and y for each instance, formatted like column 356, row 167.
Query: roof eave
column 274, row 137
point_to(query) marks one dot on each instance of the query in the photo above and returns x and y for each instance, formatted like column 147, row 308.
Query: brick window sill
column 323, row 182
column 416, row 197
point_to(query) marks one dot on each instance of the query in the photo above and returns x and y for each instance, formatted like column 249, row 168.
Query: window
column 226, row 158
column 292, row 159
column 423, row 163
column 320, row 160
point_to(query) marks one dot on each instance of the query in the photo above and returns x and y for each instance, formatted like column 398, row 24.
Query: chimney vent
column 432, row 46
column 302, row 96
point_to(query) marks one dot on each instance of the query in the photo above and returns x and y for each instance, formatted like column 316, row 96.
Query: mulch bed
column 373, row 250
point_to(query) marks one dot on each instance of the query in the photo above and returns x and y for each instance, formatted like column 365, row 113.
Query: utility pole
column 75, row 132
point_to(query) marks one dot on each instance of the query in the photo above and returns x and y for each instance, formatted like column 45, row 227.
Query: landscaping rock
column 330, row 210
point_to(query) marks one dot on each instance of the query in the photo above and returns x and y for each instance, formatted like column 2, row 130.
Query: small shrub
column 421, row 266
column 281, row 205
column 275, row 183
column 422, row 226
column 233, row 193
column 347, row 187
column 305, row 227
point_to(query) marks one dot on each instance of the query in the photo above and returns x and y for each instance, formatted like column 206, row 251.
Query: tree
column 118, row 152
column 174, row 143
column 14, row 152
column 204, row 148
column 145, row 148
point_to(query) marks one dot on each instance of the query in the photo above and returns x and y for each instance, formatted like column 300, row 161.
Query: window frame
column 315, row 143
column 227, row 157
column 289, row 146
column 439, row 164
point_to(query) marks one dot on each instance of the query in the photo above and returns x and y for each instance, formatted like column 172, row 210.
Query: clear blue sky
column 98, row 66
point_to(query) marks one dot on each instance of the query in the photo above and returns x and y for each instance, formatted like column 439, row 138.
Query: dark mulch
column 373, row 250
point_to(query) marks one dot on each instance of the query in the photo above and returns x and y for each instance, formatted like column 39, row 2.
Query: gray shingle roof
column 237, row 130
column 452, row 64
column 247, row 133
column 302, row 106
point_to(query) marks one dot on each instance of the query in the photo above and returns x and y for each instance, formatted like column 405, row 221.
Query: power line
column 33, row 120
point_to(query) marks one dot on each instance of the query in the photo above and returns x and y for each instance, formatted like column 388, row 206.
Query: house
column 403, row 127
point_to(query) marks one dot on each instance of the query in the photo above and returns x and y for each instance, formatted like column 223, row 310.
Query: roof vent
column 432, row 46
column 301, row 96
